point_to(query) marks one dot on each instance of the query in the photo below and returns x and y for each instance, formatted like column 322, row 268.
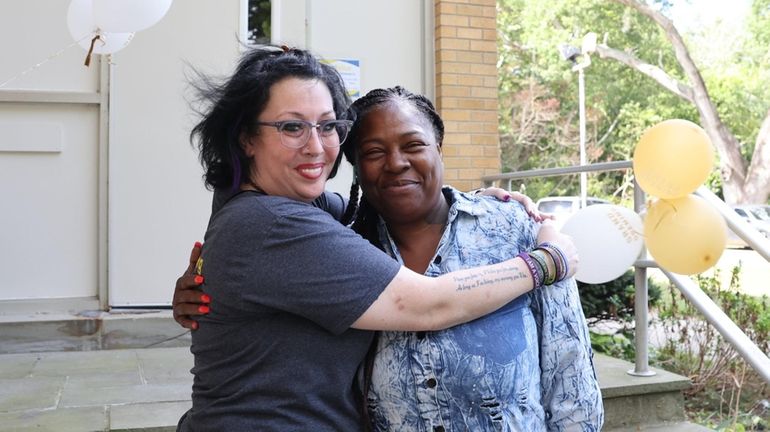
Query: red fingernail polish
column 507, row 198
column 198, row 244
column 203, row 309
column 195, row 325
column 198, row 279
column 205, row 298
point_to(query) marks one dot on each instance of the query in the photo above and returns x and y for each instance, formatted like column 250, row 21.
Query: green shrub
column 614, row 300
column 727, row 394
column 611, row 306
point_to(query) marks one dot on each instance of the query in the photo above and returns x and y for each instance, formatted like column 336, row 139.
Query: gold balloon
column 673, row 158
column 684, row 235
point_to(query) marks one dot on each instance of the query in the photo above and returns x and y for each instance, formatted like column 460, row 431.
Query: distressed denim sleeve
column 571, row 396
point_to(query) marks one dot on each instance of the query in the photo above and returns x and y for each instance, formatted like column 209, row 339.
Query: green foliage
column 259, row 21
column 726, row 393
column 538, row 90
column 613, row 302
column 539, row 128
column 619, row 344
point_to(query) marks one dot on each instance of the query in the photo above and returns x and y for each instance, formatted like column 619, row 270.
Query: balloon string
column 37, row 65
column 91, row 49
column 661, row 219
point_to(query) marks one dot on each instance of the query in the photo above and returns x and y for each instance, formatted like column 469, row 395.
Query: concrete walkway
column 149, row 389
column 118, row 390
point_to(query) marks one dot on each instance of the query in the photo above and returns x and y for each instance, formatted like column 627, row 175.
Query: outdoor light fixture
column 569, row 52
column 572, row 54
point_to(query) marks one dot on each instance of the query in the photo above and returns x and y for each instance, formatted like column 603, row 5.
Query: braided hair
column 229, row 109
column 362, row 214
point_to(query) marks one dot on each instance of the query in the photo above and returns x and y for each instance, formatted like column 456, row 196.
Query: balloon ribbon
column 91, row 50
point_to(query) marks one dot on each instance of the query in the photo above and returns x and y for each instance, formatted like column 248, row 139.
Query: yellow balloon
column 673, row 158
column 684, row 235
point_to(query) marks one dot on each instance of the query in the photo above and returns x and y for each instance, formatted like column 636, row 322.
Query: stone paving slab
column 146, row 393
column 164, row 366
column 56, row 420
column 126, row 390
column 86, row 363
column 17, row 365
column 149, row 389
column 156, row 416
column 21, row 394
column 101, row 380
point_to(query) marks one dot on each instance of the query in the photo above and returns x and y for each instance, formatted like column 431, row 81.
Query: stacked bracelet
column 559, row 259
column 532, row 266
column 539, row 256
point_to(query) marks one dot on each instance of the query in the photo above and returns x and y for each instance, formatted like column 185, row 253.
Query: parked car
column 756, row 215
column 563, row 207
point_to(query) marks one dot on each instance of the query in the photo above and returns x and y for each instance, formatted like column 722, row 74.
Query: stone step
column 634, row 403
column 77, row 325
column 631, row 403
column 664, row 427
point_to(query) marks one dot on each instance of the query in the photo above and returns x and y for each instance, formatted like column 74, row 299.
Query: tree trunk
column 741, row 182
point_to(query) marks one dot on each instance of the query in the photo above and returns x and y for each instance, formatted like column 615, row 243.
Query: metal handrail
column 726, row 327
column 740, row 227
column 549, row 172
column 705, row 305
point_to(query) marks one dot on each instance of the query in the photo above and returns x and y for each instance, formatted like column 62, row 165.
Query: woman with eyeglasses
column 295, row 295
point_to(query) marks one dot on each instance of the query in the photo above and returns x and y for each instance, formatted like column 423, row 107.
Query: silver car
column 562, row 207
column 756, row 215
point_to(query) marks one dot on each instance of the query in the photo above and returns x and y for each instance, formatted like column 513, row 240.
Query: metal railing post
column 641, row 303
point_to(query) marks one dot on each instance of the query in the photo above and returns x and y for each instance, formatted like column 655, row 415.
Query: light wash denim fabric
column 526, row 367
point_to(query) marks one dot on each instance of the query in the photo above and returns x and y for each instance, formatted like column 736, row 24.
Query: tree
column 743, row 181
column 538, row 93
column 536, row 85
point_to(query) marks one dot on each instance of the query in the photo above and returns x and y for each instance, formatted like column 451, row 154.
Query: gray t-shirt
column 331, row 202
column 276, row 352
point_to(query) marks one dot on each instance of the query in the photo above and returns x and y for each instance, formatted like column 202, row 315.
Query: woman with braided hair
column 294, row 295
column 527, row 366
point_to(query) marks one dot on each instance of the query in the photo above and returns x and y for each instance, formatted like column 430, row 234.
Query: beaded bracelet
column 559, row 259
column 537, row 277
column 558, row 267
column 540, row 257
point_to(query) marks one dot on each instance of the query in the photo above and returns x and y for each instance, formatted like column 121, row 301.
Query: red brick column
column 466, row 89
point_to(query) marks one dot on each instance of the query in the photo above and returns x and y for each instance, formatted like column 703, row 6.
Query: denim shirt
column 525, row 367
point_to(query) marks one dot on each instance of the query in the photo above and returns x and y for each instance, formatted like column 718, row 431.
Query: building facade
column 102, row 192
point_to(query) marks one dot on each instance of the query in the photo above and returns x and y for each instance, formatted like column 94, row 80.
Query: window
column 259, row 22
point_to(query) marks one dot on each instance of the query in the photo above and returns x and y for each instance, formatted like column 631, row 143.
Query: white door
column 48, row 184
column 48, row 157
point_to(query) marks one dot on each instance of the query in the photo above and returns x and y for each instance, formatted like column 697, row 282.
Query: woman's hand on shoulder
column 189, row 301
column 504, row 195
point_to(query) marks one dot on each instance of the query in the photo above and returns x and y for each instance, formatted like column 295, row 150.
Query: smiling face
column 399, row 164
column 300, row 173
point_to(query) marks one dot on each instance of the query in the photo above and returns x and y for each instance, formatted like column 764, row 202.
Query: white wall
column 158, row 206
column 48, row 158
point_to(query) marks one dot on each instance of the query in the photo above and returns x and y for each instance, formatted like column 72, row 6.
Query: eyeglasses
column 296, row 133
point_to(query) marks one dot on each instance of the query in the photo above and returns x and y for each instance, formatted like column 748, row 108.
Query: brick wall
column 466, row 89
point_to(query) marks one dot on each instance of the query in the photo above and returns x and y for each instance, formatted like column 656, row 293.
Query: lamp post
column 572, row 54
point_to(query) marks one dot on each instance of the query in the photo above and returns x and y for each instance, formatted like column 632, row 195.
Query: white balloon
column 80, row 21
column 129, row 15
column 608, row 239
